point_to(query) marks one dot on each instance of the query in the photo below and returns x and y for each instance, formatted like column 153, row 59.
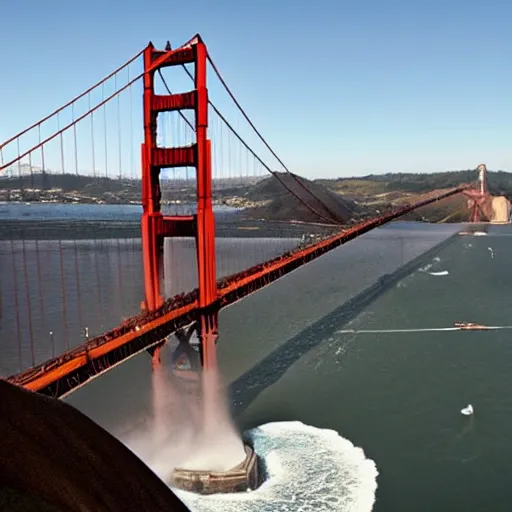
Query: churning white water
column 308, row 469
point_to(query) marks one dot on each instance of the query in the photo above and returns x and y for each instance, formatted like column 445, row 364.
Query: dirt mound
column 281, row 204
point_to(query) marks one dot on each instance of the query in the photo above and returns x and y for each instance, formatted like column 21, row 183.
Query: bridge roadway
column 74, row 368
column 253, row 328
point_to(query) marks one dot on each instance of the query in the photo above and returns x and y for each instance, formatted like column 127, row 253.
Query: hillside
column 386, row 191
column 275, row 201
column 499, row 182
column 347, row 199
column 451, row 209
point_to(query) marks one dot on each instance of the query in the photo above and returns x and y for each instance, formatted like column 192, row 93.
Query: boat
column 468, row 410
column 470, row 326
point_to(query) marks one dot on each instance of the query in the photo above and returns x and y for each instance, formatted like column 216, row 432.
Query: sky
column 338, row 87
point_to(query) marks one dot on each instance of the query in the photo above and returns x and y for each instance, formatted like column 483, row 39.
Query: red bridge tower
column 478, row 197
column 155, row 226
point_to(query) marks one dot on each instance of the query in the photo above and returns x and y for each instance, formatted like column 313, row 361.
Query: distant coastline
column 350, row 199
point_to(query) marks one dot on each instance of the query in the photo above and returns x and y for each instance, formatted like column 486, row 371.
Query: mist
column 190, row 427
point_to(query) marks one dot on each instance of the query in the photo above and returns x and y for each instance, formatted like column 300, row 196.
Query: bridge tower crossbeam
column 154, row 225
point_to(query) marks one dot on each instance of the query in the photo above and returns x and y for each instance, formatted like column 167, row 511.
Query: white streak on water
column 429, row 329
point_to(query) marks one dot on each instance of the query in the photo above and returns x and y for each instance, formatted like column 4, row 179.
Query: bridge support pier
column 246, row 476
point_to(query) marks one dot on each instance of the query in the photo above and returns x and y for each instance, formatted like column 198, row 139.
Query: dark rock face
column 52, row 453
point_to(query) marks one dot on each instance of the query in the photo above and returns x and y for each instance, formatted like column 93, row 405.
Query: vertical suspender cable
column 29, row 303
column 40, row 289
column 64, row 295
column 16, row 303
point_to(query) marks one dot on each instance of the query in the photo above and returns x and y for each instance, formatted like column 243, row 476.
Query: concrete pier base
column 238, row 479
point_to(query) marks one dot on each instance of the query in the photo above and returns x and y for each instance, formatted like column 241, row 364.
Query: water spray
column 221, row 462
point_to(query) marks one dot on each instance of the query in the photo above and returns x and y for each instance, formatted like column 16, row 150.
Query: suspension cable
column 55, row 112
column 333, row 215
column 242, row 111
column 274, row 173
column 76, row 121
column 116, row 93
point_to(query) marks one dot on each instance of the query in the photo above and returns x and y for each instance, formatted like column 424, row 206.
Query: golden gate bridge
column 188, row 145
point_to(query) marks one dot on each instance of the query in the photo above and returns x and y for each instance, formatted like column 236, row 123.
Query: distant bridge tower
column 201, row 226
column 482, row 178
column 478, row 197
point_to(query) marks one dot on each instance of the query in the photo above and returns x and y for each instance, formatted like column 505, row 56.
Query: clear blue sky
column 338, row 87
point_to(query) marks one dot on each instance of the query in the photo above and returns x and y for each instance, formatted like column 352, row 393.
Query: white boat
column 467, row 411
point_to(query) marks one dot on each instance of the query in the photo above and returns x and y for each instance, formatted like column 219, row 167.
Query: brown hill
column 275, row 202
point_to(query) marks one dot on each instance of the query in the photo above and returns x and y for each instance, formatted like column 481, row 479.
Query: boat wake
column 307, row 469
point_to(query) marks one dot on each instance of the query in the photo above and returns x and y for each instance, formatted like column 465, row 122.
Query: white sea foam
column 308, row 469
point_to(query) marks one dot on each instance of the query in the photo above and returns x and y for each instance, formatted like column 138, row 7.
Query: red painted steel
column 151, row 194
column 67, row 364
column 478, row 198
column 205, row 238
column 183, row 101
column 155, row 226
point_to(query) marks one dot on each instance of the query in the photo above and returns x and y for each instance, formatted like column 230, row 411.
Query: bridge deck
column 75, row 367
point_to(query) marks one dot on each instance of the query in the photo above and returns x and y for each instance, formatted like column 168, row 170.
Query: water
column 399, row 395
column 83, row 212
column 328, row 410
